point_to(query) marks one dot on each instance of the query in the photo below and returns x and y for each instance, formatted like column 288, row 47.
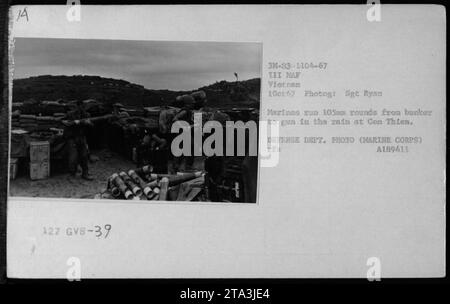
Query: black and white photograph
column 105, row 119
column 221, row 142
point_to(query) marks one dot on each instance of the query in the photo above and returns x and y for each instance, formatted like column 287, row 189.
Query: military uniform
column 75, row 135
column 184, row 162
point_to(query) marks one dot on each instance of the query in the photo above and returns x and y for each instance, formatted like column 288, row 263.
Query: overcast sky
column 153, row 64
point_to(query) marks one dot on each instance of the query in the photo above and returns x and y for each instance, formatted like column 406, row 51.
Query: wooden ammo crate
column 39, row 170
column 39, row 151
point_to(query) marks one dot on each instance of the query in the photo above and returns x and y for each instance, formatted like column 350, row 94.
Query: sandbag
column 220, row 117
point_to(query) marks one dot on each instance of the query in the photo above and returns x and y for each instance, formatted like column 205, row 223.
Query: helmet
column 186, row 100
column 118, row 105
column 199, row 95
column 200, row 99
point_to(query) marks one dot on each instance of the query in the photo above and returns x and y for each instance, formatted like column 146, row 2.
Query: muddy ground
column 66, row 186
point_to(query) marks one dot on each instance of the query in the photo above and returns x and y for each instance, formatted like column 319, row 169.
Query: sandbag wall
column 30, row 122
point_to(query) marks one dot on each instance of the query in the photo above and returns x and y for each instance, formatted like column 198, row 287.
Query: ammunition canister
column 147, row 190
column 144, row 170
column 164, row 188
column 129, row 182
column 119, row 183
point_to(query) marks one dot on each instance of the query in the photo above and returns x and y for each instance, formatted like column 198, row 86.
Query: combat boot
column 87, row 176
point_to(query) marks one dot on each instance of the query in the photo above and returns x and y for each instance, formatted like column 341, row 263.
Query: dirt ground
column 67, row 186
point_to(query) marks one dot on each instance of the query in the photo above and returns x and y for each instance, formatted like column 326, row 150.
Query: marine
column 76, row 125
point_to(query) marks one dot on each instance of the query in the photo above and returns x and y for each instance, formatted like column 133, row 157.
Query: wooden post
column 164, row 189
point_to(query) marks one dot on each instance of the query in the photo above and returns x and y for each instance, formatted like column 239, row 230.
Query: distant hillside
column 46, row 87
